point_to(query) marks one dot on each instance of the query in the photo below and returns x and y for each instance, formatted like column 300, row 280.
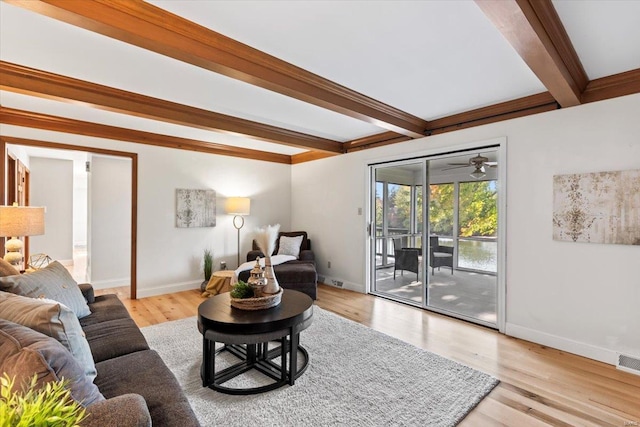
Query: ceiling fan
column 478, row 162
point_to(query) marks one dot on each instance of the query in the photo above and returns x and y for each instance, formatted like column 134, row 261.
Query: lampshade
column 238, row 206
column 21, row 221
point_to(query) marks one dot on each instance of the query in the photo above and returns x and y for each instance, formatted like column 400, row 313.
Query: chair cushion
column 25, row 352
column 442, row 255
column 290, row 245
column 53, row 282
column 52, row 319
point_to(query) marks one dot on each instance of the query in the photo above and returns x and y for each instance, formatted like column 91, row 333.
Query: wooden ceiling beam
column 309, row 156
column 142, row 24
column 372, row 141
column 535, row 31
column 495, row 113
column 621, row 84
column 22, row 118
column 29, row 81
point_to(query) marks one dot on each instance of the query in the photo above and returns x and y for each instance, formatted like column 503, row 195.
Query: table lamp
column 239, row 207
column 16, row 221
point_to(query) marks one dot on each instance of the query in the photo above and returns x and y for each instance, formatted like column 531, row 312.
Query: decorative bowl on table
column 257, row 303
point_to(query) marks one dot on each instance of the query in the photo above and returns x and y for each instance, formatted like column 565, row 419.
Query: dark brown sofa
column 126, row 364
column 139, row 388
column 299, row 274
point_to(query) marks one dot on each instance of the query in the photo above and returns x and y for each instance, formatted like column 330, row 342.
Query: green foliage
column 241, row 290
column 478, row 209
column 208, row 264
column 49, row 406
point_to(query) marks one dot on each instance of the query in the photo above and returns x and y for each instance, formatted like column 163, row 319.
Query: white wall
column 52, row 187
column 110, row 221
column 170, row 258
column 579, row 297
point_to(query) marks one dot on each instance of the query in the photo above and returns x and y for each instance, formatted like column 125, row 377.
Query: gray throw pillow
column 25, row 352
column 53, row 282
column 52, row 319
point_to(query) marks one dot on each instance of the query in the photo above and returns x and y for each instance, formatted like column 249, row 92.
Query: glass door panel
column 397, row 236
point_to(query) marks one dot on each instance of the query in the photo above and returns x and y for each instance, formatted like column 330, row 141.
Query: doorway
column 452, row 264
column 127, row 229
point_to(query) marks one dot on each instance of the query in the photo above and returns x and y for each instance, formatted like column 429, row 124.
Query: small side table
column 219, row 282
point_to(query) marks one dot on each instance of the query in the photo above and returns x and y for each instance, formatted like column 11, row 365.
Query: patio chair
column 439, row 256
column 405, row 258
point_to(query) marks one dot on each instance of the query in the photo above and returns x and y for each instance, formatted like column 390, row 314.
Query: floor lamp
column 239, row 207
column 16, row 221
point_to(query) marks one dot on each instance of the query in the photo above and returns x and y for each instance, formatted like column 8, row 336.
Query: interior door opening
column 98, row 189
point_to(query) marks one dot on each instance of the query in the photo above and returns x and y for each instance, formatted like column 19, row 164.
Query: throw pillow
column 53, row 282
column 52, row 319
column 7, row 269
column 24, row 352
column 290, row 245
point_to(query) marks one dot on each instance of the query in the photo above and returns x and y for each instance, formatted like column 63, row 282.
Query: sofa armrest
column 307, row 255
column 127, row 410
column 87, row 292
column 252, row 255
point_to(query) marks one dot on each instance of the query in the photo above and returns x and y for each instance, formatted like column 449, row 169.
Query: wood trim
column 372, row 141
column 495, row 113
column 535, row 31
column 29, row 81
column 134, row 225
column 61, row 124
column 134, row 189
column 621, row 84
column 309, row 156
column 3, row 175
column 142, row 24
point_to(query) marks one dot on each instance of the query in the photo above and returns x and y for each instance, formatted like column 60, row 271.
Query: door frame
column 6, row 140
column 500, row 145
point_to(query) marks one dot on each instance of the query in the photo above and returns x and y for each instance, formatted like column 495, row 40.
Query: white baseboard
column 335, row 281
column 168, row 289
column 112, row 283
column 564, row 344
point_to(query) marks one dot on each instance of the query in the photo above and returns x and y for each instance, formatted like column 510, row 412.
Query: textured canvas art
column 602, row 207
column 195, row 208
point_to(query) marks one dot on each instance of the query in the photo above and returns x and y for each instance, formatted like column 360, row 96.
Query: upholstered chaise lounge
column 299, row 274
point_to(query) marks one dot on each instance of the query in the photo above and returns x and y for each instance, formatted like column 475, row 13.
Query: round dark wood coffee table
column 246, row 334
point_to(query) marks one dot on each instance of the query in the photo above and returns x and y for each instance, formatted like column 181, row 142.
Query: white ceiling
column 428, row 58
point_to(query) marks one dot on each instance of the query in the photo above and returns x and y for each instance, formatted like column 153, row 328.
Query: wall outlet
column 337, row 283
column 329, row 264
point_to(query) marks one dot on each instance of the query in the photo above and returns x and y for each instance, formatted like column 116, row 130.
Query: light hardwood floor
column 540, row 386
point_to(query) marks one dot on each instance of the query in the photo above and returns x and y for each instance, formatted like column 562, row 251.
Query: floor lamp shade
column 16, row 221
column 238, row 206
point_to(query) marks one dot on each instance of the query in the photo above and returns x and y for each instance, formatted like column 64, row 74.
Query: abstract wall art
column 195, row 208
column 601, row 207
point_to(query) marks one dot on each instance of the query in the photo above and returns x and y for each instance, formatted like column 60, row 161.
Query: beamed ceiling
column 290, row 82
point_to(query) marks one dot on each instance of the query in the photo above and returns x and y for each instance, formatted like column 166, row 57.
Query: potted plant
column 208, row 268
column 50, row 405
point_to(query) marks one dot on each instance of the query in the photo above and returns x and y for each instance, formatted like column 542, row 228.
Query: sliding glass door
column 450, row 266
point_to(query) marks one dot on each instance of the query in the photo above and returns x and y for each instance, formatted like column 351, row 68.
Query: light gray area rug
column 356, row 377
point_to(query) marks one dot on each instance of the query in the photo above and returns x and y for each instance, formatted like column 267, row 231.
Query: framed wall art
column 195, row 208
column 601, row 207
